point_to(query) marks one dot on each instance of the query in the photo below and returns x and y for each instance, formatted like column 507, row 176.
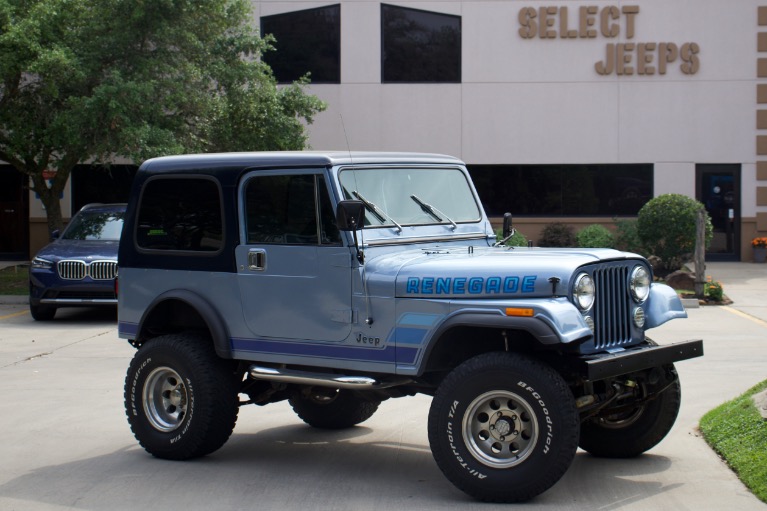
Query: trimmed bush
column 666, row 226
column 627, row 237
column 557, row 234
column 595, row 236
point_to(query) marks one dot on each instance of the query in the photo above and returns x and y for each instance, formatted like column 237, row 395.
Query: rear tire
column 332, row 410
column 630, row 433
column 181, row 399
column 503, row 427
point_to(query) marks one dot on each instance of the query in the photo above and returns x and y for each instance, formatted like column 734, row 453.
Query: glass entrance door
column 718, row 188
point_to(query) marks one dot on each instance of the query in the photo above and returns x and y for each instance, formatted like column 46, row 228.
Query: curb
column 690, row 303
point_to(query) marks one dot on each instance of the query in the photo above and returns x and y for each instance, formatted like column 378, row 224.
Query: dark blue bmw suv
column 79, row 267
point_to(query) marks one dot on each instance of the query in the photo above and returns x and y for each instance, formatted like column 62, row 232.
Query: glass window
column 563, row 190
column 307, row 41
column 180, row 214
column 286, row 209
column 419, row 46
column 95, row 225
column 411, row 196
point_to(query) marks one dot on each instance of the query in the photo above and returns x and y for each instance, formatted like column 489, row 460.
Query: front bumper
column 638, row 358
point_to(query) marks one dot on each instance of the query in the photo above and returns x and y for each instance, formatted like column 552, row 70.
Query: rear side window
column 180, row 214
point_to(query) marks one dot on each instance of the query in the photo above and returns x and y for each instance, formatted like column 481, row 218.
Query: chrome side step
column 338, row 381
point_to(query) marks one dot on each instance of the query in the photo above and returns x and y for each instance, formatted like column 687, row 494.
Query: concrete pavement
column 66, row 443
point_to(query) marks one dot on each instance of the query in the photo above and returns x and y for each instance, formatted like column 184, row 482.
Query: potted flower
column 760, row 249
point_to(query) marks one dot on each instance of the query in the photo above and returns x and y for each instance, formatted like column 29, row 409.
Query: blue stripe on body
column 125, row 328
column 386, row 355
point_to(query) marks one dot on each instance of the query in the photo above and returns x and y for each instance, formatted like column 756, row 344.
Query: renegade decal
column 470, row 285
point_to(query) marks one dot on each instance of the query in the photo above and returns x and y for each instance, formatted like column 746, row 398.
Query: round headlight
column 583, row 292
column 639, row 284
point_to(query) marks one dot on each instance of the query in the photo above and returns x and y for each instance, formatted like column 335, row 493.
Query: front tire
column 503, row 427
column 630, row 433
column 42, row 312
column 181, row 399
column 332, row 409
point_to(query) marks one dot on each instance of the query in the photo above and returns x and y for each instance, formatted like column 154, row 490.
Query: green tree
column 84, row 81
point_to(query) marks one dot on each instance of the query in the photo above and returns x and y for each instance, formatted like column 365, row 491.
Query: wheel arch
column 448, row 346
column 180, row 310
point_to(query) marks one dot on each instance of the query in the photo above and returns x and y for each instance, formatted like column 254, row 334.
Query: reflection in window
column 563, row 190
column 95, row 225
column 180, row 214
column 290, row 210
column 308, row 41
column 419, row 46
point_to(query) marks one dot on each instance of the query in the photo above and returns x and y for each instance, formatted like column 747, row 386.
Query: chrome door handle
column 257, row 260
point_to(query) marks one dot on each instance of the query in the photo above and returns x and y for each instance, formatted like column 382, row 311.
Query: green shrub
column 666, row 226
column 713, row 290
column 517, row 240
column 627, row 237
column 557, row 234
column 595, row 236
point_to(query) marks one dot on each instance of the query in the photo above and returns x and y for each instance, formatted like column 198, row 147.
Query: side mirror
column 350, row 215
column 507, row 229
column 55, row 234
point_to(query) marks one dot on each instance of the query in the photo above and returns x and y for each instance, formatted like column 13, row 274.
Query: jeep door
column 294, row 273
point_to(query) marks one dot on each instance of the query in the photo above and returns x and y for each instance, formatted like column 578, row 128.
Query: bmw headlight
column 38, row 263
column 639, row 284
column 583, row 292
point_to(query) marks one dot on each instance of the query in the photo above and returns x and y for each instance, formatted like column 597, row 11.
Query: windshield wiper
column 377, row 212
column 434, row 212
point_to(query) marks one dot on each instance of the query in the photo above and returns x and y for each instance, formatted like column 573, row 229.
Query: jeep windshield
column 399, row 196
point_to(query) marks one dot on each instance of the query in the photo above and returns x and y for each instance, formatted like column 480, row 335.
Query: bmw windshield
column 95, row 225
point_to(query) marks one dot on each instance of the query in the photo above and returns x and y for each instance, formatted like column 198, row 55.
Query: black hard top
column 229, row 163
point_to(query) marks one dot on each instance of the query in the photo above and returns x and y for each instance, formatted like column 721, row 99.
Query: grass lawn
column 14, row 281
column 738, row 433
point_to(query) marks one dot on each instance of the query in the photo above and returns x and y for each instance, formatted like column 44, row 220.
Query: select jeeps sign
column 609, row 22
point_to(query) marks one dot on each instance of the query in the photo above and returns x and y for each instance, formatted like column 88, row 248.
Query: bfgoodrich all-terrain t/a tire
column 181, row 399
column 333, row 409
column 629, row 433
column 503, row 427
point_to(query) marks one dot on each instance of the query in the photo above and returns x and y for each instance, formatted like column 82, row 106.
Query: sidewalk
column 744, row 283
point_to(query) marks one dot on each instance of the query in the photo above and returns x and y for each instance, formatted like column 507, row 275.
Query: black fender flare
column 541, row 330
column 209, row 314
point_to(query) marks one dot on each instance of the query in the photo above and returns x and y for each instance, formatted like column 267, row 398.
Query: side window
column 307, row 41
column 285, row 210
column 419, row 46
column 180, row 214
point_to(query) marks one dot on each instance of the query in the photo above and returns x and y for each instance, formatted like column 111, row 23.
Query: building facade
column 567, row 110
column 573, row 111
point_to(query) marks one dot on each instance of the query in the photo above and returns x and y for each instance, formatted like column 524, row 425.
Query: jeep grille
column 78, row 270
column 612, row 310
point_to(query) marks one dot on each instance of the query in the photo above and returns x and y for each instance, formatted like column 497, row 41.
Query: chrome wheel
column 165, row 399
column 500, row 429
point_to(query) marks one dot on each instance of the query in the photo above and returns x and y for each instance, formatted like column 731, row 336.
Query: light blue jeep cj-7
column 338, row 280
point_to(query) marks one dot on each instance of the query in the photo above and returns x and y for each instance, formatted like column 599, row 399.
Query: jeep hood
column 471, row 272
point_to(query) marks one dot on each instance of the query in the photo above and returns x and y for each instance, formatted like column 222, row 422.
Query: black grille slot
column 612, row 310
